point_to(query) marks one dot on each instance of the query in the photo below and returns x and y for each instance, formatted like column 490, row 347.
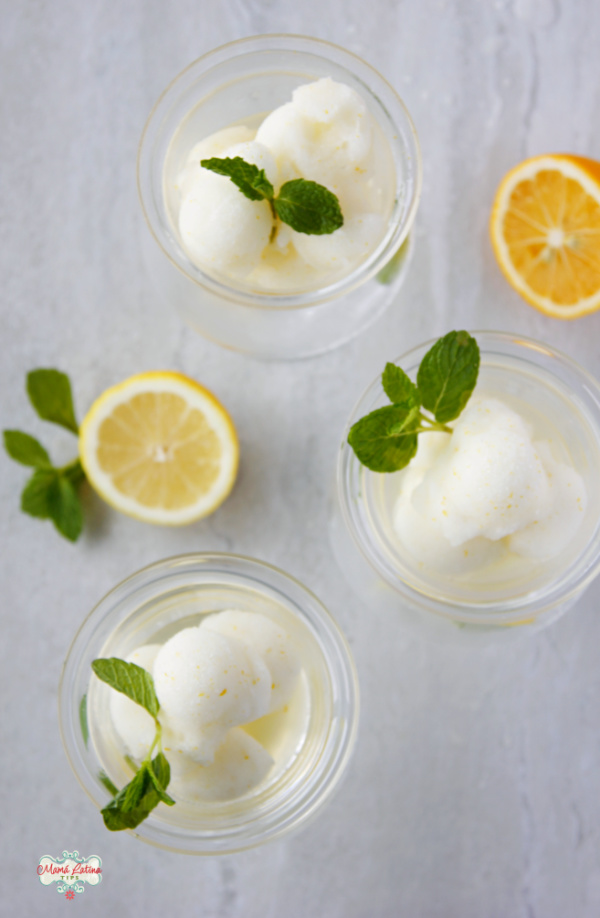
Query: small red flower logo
column 69, row 894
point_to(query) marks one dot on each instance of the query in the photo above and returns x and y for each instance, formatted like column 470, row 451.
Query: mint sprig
column 306, row 206
column 51, row 492
column 148, row 787
column 386, row 439
column 130, row 679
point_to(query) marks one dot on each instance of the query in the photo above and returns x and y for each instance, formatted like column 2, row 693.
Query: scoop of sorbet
column 269, row 640
column 240, row 764
column 206, row 684
column 489, row 480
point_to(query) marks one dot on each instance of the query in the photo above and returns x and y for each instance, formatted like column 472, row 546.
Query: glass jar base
column 277, row 333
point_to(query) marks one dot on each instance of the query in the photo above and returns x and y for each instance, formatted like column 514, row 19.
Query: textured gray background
column 475, row 788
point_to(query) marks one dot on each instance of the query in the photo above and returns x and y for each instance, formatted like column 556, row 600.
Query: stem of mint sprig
column 148, row 787
column 304, row 205
column 52, row 492
column 386, row 439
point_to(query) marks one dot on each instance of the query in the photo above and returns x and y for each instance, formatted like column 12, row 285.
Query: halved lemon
column 545, row 229
column 161, row 448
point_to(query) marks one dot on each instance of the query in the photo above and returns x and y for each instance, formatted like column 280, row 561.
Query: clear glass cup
column 153, row 604
column 233, row 83
column 553, row 391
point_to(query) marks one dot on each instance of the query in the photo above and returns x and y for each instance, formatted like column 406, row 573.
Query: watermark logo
column 70, row 872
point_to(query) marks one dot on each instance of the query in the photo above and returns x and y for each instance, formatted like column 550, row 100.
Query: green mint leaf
column 251, row 180
column 160, row 775
column 386, row 439
column 34, row 497
column 74, row 473
column 26, row 449
column 83, row 721
column 64, row 508
column 398, row 386
column 116, row 817
column 130, row 679
column 448, row 374
column 137, row 788
column 308, row 208
column 50, row 394
column 110, row 787
column 136, row 800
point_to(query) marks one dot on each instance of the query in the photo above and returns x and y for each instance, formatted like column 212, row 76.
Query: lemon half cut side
column 545, row 230
column 161, row 448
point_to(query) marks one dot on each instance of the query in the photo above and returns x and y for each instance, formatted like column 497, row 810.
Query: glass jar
column 238, row 82
column 554, row 394
column 155, row 603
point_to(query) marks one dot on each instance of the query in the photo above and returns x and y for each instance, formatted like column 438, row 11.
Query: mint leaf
column 26, row 449
column 251, row 180
column 151, row 779
column 386, row 439
column 64, row 507
column 110, row 787
column 74, row 473
column 34, row 497
column 130, row 679
column 83, row 722
column 308, row 208
column 160, row 775
column 50, row 394
column 448, row 374
column 133, row 792
column 398, row 386
column 117, row 817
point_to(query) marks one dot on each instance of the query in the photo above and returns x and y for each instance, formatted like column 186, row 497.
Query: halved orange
column 160, row 447
column 545, row 229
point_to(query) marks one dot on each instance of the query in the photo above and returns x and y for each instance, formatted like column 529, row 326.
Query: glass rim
column 504, row 611
column 394, row 237
column 299, row 804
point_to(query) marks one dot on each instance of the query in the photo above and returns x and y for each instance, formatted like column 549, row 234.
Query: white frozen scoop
column 220, row 227
column 489, row 480
column 206, row 684
column 269, row 640
column 552, row 535
column 135, row 726
column 325, row 128
column 240, row 764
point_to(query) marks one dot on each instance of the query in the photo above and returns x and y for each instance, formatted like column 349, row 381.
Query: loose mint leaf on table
column 50, row 394
column 64, row 507
column 34, row 498
column 251, row 180
column 26, row 449
column 398, row 386
column 308, row 208
column 130, row 679
column 50, row 493
column 386, row 439
column 448, row 374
